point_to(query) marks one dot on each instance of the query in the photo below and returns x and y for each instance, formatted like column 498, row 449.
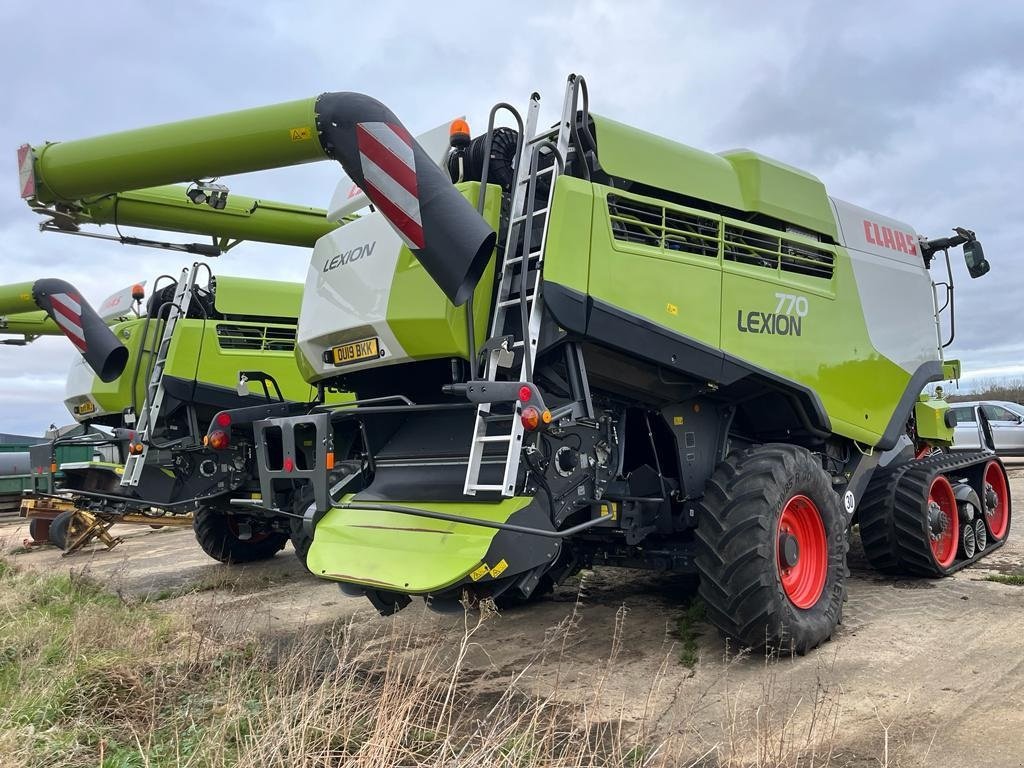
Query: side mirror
column 974, row 257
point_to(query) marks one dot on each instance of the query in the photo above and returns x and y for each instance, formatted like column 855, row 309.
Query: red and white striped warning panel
column 67, row 311
column 389, row 177
column 26, row 173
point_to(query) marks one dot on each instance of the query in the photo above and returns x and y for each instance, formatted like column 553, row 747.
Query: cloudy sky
column 912, row 109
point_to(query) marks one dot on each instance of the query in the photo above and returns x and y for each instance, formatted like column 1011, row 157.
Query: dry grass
column 91, row 679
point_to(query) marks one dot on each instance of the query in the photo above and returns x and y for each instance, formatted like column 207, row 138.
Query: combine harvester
column 157, row 374
column 672, row 360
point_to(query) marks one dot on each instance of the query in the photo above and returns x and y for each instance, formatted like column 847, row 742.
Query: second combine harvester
column 676, row 360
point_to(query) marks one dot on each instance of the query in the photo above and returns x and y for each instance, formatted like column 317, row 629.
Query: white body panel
column 118, row 306
column 349, row 198
column 346, row 295
column 78, row 389
column 895, row 289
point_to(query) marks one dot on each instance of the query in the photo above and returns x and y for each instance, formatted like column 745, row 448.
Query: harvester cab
column 669, row 359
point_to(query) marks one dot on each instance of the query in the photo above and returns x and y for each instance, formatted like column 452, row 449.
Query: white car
column 1006, row 420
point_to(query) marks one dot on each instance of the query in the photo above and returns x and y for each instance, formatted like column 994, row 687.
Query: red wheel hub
column 802, row 552
column 996, row 500
column 943, row 521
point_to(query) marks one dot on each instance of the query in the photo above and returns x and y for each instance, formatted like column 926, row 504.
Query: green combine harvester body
column 589, row 345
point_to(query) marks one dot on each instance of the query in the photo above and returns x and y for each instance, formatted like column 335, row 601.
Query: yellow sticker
column 677, row 421
column 300, row 134
column 480, row 572
column 672, row 309
column 499, row 568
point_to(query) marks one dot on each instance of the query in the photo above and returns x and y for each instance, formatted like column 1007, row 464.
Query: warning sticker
column 499, row 568
column 301, row 134
column 480, row 572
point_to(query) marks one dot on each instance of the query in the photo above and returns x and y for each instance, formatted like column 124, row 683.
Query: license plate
column 367, row 349
column 83, row 408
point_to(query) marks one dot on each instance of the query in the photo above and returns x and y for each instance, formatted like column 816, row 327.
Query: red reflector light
column 525, row 393
column 136, row 448
column 223, row 419
column 289, row 464
column 219, row 439
column 530, row 418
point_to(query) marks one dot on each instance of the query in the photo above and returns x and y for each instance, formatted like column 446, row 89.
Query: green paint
column 243, row 218
column 423, row 320
column 221, row 145
column 741, row 180
column 30, row 323
column 251, row 297
column 16, row 298
column 404, row 553
column 710, row 299
column 930, row 420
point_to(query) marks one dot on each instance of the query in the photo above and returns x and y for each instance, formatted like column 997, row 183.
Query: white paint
column 350, row 302
column 895, row 290
column 349, row 198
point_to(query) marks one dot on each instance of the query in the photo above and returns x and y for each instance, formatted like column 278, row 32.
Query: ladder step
column 542, row 172
column 512, row 302
column 476, row 487
column 494, row 438
column 517, row 259
column 492, row 417
column 545, row 135
column 525, row 216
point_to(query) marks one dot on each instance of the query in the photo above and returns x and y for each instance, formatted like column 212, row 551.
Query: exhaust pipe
column 442, row 229
column 75, row 318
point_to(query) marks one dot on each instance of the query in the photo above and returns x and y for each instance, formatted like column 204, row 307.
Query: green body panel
column 116, row 395
column 30, row 324
column 567, row 260
column 709, row 298
column 221, row 145
column 243, row 218
column 196, row 352
column 16, row 298
column 742, row 180
column 930, row 420
column 423, row 320
column 249, row 297
column 414, row 555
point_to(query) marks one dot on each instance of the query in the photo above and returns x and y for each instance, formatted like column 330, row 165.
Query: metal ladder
column 518, row 310
column 155, row 390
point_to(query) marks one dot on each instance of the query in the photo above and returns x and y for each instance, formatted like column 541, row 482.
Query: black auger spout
column 442, row 229
column 75, row 318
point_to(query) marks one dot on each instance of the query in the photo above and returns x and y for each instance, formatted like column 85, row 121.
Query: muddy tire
column 301, row 540
column 219, row 536
column 772, row 549
column 59, row 527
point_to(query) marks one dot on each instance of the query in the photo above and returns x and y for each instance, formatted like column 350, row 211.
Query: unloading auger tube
column 444, row 232
column 76, row 319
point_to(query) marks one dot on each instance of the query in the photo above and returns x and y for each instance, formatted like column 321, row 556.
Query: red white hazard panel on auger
column 26, row 172
column 389, row 176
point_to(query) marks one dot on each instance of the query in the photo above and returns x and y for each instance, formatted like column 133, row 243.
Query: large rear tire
column 772, row 549
column 301, row 540
column 220, row 537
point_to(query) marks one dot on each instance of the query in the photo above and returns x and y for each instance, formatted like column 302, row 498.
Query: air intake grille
column 257, row 338
column 774, row 252
column 659, row 227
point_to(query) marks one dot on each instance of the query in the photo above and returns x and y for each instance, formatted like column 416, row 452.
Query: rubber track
column 891, row 528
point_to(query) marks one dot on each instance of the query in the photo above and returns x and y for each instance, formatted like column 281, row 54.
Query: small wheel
column 59, row 528
column 980, row 534
column 39, row 530
column 943, row 521
column 968, row 540
column 996, row 501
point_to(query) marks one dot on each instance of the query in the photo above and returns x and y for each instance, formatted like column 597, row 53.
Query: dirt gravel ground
column 921, row 672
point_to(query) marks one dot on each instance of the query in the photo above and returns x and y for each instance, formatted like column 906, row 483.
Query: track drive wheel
column 995, row 500
column 772, row 549
column 221, row 537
